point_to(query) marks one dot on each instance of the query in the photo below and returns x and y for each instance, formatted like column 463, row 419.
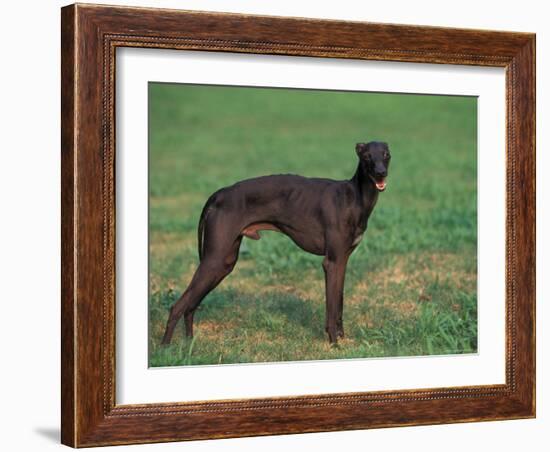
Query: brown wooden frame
column 90, row 34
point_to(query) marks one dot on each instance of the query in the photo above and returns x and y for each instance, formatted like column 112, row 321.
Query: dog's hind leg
column 218, row 261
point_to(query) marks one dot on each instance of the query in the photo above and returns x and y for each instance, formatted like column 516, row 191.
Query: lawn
column 411, row 285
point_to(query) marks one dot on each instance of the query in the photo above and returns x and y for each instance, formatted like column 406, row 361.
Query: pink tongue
column 381, row 184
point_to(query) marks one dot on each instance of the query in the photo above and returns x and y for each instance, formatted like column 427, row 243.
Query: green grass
column 410, row 285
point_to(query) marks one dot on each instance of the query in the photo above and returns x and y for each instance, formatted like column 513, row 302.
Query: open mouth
column 379, row 183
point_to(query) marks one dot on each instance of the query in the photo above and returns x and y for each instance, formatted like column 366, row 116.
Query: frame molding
column 90, row 35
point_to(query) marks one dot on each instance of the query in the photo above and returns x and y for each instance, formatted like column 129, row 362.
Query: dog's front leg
column 335, row 271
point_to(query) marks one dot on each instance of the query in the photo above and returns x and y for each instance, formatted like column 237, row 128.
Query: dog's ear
column 361, row 148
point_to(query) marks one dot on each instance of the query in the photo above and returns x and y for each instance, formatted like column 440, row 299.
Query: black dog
column 322, row 216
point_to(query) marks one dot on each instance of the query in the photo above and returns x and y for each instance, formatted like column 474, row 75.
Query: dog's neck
column 368, row 194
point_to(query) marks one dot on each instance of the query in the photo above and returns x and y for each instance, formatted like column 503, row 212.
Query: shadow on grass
column 232, row 326
column 272, row 311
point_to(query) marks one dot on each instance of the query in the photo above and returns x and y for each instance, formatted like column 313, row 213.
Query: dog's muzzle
column 379, row 183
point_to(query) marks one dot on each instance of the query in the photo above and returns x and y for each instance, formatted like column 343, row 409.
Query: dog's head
column 374, row 158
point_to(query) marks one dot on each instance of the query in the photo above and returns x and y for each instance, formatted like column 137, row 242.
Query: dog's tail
column 202, row 220
column 201, row 229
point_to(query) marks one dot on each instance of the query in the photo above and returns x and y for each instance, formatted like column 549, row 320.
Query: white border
column 135, row 383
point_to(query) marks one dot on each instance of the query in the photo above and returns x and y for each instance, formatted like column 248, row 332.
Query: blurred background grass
column 411, row 283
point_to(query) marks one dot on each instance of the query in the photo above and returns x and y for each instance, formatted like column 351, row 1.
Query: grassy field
column 410, row 285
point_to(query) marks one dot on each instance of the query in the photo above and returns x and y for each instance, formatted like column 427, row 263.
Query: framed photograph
column 281, row 225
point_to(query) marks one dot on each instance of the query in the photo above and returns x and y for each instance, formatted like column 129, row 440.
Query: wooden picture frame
column 90, row 36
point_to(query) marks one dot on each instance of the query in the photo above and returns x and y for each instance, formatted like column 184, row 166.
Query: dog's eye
column 387, row 156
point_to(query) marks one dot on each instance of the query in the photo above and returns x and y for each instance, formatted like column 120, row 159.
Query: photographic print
column 279, row 230
column 255, row 200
